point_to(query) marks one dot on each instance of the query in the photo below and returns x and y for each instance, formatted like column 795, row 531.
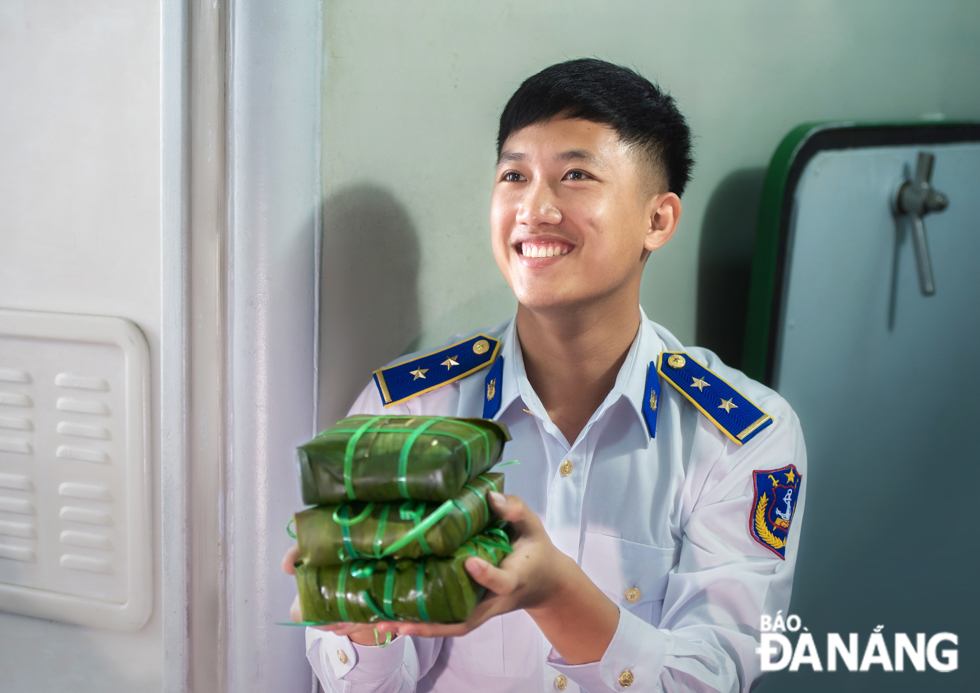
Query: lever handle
column 916, row 198
column 922, row 256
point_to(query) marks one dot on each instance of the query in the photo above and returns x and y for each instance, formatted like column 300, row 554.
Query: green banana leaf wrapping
column 390, row 458
column 431, row 589
column 369, row 530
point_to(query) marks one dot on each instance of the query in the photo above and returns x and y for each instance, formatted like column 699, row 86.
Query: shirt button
column 626, row 679
column 633, row 595
column 561, row 682
column 566, row 468
column 342, row 656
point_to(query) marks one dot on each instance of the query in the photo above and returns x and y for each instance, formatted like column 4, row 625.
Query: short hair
column 642, row 114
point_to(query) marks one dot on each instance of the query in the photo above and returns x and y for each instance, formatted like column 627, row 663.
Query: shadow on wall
column 725, row 263
column 369, row 307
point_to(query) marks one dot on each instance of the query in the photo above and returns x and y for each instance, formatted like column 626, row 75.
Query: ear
column 664, row 211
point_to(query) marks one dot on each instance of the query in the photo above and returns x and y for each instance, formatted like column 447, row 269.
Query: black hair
column 641, row 113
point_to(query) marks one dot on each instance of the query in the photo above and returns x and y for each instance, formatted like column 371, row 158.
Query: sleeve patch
column 773, row 506
column 409, row 379
column 727, row 408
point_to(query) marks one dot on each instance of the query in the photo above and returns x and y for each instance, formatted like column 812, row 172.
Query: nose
column 538, row 206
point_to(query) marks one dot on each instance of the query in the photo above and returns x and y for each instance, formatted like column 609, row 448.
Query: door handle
column 915, row 199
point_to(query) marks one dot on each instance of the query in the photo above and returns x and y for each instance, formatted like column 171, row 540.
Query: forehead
column 566, row 139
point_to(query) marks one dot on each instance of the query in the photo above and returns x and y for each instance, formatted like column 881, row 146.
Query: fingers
column 494, row 579
column 515, row 511
column 294, row 611
column 289, row 559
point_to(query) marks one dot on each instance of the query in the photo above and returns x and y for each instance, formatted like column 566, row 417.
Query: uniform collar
column 630, row 382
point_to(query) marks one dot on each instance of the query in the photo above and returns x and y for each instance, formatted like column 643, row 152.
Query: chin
column 541, row 299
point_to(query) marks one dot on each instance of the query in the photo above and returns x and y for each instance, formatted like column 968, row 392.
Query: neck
column 572, row 357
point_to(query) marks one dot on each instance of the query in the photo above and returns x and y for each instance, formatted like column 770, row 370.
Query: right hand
column 360, row 633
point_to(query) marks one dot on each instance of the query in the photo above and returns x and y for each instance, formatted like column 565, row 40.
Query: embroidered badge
column 493, row 387
column 651, row 398
column 776, row 493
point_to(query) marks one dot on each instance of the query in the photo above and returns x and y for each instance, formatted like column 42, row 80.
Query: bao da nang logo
column 898, row 653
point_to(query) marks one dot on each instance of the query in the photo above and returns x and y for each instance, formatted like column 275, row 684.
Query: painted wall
column 80, row 233
column 413, row 91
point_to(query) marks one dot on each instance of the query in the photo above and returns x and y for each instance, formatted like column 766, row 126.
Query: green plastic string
column 498, row 532
column 445, row 434
column 421, row 528
column 406, row 448
column 349, row 455
column 507, row 464
column 342, row 592
column 491, row 545
column 353, row 521
column 288, row 530
column 407, row 512
column 389, row 590
column 380, row 536
column 490, row 481
column 419, row 584
column 481, row 497
column 385, row 643
column 466, row 514
column 304, row 624
column 362, row 568
column 344, row 528
column 486, row 440
column 371, row 605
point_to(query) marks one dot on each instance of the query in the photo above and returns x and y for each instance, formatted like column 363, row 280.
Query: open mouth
column 549, row 249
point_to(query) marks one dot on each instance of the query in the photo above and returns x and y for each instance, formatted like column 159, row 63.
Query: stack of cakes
column 400, row 504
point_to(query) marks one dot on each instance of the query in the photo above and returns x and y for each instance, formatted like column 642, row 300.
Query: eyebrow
column 578, row 155
column 570, row 155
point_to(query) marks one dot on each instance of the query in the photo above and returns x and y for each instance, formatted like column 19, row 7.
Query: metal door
column 884, row 378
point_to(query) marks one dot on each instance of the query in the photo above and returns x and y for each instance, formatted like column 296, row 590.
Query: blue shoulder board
column 409, row 379
column 736, row 416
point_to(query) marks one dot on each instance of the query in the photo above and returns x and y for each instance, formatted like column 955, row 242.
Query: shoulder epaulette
column 727, row 408
column 421, row 374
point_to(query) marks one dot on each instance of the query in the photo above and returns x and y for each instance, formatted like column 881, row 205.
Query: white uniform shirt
column 668, row 516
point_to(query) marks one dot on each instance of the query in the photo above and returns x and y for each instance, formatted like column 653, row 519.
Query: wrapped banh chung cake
column 391, row 458
column 401, row 504
column 329, row 535
column 431, row 589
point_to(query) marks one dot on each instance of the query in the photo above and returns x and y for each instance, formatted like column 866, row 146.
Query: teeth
column 543, row 249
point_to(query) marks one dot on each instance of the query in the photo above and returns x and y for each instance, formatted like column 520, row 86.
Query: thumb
column 494, row 579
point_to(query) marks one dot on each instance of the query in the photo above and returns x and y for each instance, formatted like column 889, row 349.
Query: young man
column 658, row 500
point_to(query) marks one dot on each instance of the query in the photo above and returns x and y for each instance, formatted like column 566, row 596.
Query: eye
column 513, row 177
column 577, row 175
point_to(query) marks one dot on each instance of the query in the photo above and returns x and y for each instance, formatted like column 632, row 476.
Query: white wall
column 413, row 91
column 80, row 233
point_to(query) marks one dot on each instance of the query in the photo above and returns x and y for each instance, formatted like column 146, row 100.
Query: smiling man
column 658, row 502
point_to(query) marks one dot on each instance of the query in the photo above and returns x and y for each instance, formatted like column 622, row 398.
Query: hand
column 572, row 613
column 361, row 633
column 530, row 578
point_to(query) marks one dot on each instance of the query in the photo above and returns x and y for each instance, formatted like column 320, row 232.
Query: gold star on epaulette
column 727, row 405
column 450, row 362
column 419, row 373
column 699, row 383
